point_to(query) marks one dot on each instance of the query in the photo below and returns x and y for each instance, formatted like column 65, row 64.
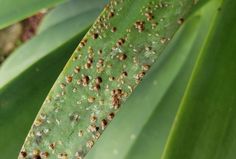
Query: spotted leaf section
column 104, row 70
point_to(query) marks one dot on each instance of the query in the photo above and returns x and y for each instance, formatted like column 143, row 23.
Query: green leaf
column 70, row 9
column 145, row 120
column 207, row 109
column 12, row 11
column 123, row 43
column 22, row 92
column 185, row 107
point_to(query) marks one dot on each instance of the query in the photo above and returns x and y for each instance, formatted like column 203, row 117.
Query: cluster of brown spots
column 103, row 124
column 139, row 76
column 69, row 79
column 121, row 56
column 63, row 156
column 139, row 25
column 90, row 143
column 149, row 16
column 180, row 21
column 38, row 122
column 85, row 80
column 93, row 128
column 96, row 135
column 82, row 43
column 116, row 98
column 77, row 69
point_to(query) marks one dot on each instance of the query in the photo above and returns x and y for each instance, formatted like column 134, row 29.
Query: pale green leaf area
column 72, row 9
column 35, row 66
column 12, row 11
column 104, row 70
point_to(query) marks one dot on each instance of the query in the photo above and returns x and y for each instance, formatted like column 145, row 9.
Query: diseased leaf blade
column 103, row 71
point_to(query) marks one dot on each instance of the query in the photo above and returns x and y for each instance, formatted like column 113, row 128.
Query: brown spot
column 110, row 116
column 146, row 67
column 111, row 14
column 87, row 65
column 111, row 78
column 121, row 56
column 149, row 16
column 91, row 99
column 93, row 118
column 23, row 154
column 62, row 85
column 85, row 80
column 81, row 133
column 180, row 21
column 125, row 74
column 77, row 69
column 36, row 157
column 93, row 128
column 52, row 146
column 75, row 58
column 163, row 40
column 103, row 124
column 113, row 29
column 98, row 80
column 120, row 42
column 95, row 35
column 97, row 87
column 100, row 52
column 45, row 154
column 69, row 79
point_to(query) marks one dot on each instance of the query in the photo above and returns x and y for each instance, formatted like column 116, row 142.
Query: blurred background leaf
column 12, row 11
column 28, row 74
